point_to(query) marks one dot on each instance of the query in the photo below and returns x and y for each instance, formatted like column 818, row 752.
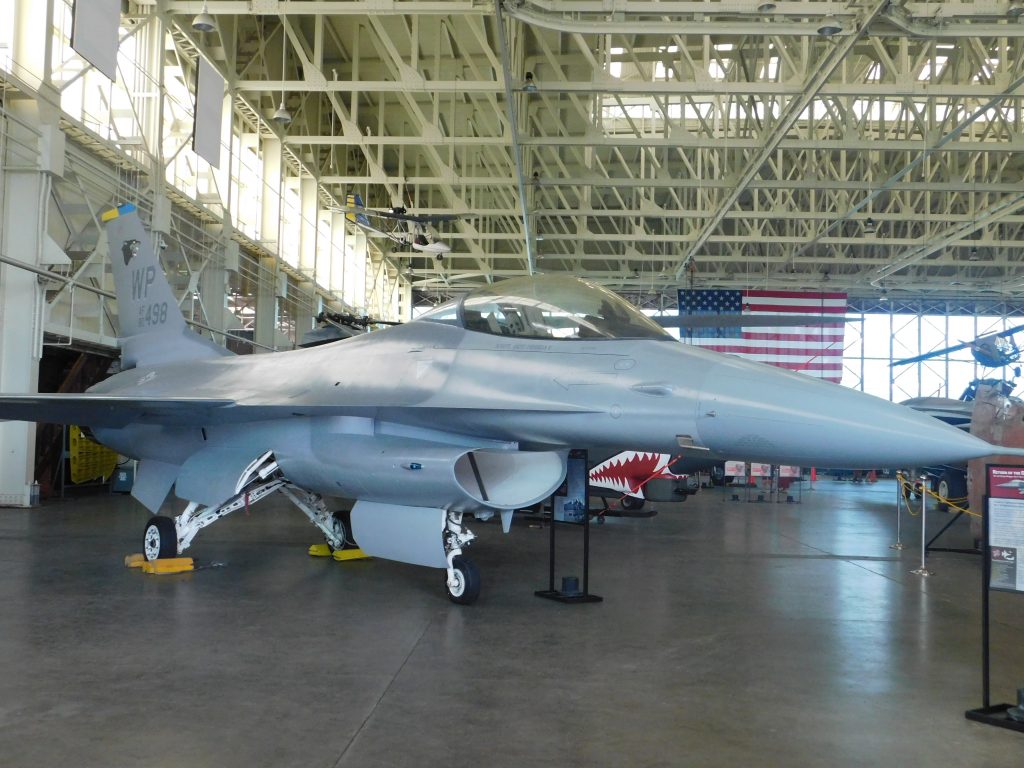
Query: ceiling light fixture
column 766, row 7
column 282, row 116
column 1016, row 9
column 869, row 226
column 528, row 85
column 829, row 26
column 973, row 255
column 204, row 22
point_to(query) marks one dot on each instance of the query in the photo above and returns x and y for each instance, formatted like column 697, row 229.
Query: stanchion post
column 923, row 570
column 899, row 513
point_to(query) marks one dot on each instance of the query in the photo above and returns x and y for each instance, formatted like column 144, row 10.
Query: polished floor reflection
column 731, row 634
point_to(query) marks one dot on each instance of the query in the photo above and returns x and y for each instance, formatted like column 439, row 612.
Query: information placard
column 760, row 470
column 735, row 469
column 1006, row 527
column 785, row 471
column 569, row 504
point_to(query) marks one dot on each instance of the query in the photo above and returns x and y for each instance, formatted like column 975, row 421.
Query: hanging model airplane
column 993, row 350
column 398, row 225
column 469, row 410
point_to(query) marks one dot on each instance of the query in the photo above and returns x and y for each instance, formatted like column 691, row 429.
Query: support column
column 266, row 304
column 213, row 287
column 270, row 221
column 336, row 283
column 307, row 227
column 30, row 154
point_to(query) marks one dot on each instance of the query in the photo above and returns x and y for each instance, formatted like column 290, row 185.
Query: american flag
column 816, row 350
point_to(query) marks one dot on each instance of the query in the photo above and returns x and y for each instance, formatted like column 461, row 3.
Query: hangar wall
column 250, row 245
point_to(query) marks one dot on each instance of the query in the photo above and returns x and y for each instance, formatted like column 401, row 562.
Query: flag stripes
column 816, row 350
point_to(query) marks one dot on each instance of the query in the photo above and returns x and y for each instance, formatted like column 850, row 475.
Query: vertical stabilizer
column 152, row 329
column 356, row 217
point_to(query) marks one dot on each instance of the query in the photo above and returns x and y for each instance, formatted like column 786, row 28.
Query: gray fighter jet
column 469, row 410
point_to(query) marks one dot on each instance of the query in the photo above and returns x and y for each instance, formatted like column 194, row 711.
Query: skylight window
column 770, row 71
column 933, row 69
column 615, row 67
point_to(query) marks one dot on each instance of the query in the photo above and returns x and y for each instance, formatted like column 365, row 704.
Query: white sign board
column 94, row 26
column 1006, row 527
column 735, row 469
column 209, row 113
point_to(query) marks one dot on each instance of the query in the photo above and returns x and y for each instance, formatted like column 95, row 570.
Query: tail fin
column 152, row 329
column 354, row 200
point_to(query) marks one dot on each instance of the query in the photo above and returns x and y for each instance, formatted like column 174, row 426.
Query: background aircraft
column 993, row 350
column 470, row 409
column 398, row 225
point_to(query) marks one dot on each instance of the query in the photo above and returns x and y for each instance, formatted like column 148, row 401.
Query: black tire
column 341, row 521
column 952, row 485
column 631, row 503
column 160, row 539
column 467, row 576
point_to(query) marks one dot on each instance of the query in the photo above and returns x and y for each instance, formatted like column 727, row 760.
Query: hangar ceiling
column 855, row 146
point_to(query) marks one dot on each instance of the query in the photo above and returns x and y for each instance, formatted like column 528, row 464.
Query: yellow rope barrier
column 907, row 489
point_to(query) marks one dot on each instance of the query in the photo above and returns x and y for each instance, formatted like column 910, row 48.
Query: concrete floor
column 731, row 634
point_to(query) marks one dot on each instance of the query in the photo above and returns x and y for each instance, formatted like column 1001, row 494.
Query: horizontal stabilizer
column 110, row 410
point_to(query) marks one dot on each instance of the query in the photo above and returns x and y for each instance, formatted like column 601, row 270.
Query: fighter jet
column 469, row 410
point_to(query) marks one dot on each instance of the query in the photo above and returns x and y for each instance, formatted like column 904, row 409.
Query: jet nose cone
column 759, row 413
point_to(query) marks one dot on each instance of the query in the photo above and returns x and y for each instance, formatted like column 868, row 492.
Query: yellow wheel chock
column 350, row 554
column 160, row 567
column 341, row 555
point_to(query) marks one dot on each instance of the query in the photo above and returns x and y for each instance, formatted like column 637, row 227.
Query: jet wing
column 96, row 410
column 110, row 410
column 415, row 218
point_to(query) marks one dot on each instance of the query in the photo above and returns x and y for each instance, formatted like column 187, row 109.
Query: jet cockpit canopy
column 548, row 307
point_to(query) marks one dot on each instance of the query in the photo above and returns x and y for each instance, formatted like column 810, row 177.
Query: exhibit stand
column 571, row 506
column 1003, row 534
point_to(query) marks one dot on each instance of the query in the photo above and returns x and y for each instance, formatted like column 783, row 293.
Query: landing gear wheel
column 341, row 525
column 952, row 485
column 466, row 588
column 632, row 503
column 160, row 540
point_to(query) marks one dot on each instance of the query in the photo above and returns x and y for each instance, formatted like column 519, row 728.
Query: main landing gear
column 166, row 537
